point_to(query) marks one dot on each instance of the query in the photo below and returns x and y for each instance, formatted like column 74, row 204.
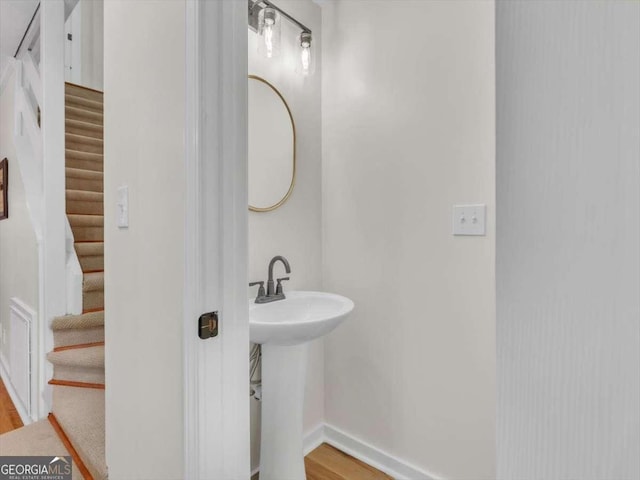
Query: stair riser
column 84, row 116
column 69, row 405
column 85, row 185
column 88, row 234
column 93, row 300
column 85, row 208
column 84, row 103
column 78, row 374
column 79, row 336
column 91, row 264
column 84, row 130
column 81, row 164
column 84, row 147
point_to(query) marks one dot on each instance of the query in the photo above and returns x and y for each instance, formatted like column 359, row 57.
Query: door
column 216, row 369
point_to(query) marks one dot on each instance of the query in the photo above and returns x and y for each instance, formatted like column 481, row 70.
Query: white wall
column 18, row 247
column 408, row 131
column 92, row 48
column 294, row 230
column 144, row 149
column 568, row 266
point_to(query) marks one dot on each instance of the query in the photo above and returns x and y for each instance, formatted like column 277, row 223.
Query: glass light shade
column 305, row 64
column 269, row 27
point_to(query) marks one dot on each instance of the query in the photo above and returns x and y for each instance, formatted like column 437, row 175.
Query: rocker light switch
column 469, row 219
column 123, row 207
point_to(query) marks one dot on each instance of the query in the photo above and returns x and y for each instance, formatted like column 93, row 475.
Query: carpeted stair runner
column 38, row 439
column 78, row 329
column 84, row 364
column 76, row 425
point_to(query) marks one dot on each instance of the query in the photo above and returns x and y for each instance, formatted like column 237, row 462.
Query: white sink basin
column 299, row 318
column 284, row 328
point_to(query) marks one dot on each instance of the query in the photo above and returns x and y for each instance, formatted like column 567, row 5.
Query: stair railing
column 39, row 142
column 28, row 138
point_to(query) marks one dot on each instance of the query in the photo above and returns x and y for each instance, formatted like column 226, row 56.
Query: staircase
column 76, row 425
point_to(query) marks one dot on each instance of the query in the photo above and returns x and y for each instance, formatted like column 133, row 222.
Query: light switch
column 122, row 207
column 469, row 219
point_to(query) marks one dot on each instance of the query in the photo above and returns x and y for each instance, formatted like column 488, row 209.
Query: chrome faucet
column 274, row 292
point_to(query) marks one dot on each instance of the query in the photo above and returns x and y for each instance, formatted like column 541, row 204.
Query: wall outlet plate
column 470, row 219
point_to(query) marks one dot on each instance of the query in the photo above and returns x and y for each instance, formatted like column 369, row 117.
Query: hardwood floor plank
column 329, row 463
column 345, row 465
column 9, row 417
column 317, row 471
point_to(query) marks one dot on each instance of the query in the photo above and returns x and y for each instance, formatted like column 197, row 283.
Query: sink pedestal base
column 283, row 383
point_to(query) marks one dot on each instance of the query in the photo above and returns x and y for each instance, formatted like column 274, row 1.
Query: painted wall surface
column 92, row 48
column 568, row 240
column 294, row 230
column 18, row 246
column 408, row 131
column 84, row 53
column 144, row 148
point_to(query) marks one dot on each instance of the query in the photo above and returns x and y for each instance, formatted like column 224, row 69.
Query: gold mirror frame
column 293, row 128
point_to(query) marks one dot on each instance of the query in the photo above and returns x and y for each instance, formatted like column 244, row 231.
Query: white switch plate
column 469, row 219
column 122, row 207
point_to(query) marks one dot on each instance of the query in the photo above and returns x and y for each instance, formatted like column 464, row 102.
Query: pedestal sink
column 284, row 329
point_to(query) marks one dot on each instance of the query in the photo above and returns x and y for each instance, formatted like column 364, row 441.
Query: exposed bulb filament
column 306, row 59
column 268, row 38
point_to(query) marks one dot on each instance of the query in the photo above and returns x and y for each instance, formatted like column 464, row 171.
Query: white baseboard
column 393, row 466
column 4, row 374
column 389, row 464
column 312, row 440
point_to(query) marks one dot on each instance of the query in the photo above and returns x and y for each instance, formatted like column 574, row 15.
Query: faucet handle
column 279, row 285
column 261, row 292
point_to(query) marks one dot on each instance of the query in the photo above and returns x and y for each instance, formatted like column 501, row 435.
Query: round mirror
column 272, row 147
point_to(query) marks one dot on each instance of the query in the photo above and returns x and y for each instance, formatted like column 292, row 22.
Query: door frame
column 216, row 370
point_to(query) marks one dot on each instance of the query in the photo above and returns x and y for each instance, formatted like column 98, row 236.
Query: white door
column 216, row 369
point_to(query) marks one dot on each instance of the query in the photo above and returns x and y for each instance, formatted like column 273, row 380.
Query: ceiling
column 14, row 18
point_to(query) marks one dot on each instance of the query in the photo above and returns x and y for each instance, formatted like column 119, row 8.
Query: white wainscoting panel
column 21, row 319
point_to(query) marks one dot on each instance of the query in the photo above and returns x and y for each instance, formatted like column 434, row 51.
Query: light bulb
column 306, row 63
column 268, row 37
column 270, row 31
column 306, row 59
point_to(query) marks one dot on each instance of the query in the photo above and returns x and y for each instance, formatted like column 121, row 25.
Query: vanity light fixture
column 265, row 19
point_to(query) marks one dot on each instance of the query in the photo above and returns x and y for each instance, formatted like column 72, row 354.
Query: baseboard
column 393, row 466
column 389, row 464
column 4, row 374
column 312, row 440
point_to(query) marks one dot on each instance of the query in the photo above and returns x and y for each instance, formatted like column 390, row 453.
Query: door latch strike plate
column 208, row 325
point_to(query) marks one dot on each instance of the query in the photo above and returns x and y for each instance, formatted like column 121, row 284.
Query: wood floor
column 9, row 418
column 329, row 463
